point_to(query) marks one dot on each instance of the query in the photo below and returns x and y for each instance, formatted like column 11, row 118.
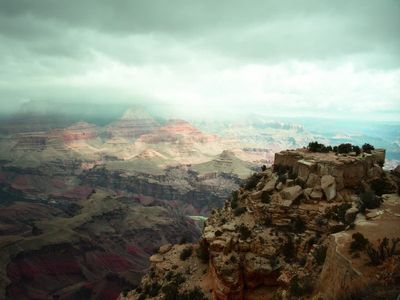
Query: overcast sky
column 311, row 58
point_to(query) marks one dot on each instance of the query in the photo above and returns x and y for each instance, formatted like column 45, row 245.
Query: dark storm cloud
column 172, row 49
column 259, row 29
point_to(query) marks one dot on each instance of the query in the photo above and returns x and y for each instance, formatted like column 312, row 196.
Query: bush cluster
column 359, row 242
column 299, row 287
column 239, row 210
column 252, row 181
column 245, row 233
column 234, row 199
column 186, row 253
column 338, row 212
column 385, row 250
column 342, row 148
column 368, row 200
column 320, row 254
column 202, row 252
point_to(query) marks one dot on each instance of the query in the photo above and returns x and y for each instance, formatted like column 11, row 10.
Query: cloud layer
column 325, row 58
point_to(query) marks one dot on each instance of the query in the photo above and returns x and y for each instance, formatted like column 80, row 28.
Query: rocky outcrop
column 285, row 235
column 334, row 172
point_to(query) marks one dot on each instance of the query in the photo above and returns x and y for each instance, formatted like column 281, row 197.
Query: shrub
column 171, row 291
column 280, row 169
column 234, row 201
column 298, row 225
column 202, row 252
column 299, row 287
column 218, row 233
column 239, row 210
column 357, row 150
column 169, row 275
column 317, row 147
column 359, row 242
column 320, row 254
column 252, row 181
column 267, row 221
column 368, row 200
column 288, row 249
column 338, row 212
column 384, row 251
column 179, row 278
column 367, row 148
column 84, row 293
column 381, row 186
column 345, row 148
column 245, row 233
column 282, row 178
column 186, row 253
column 152, row 290
column 265, row 197
column 195, row 294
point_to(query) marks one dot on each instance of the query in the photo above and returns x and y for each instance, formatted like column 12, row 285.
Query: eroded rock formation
column 287, row 234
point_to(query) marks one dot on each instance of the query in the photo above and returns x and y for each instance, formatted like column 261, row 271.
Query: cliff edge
column 313, row 226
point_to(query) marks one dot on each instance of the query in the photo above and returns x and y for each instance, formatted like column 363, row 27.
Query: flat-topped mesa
column 348, row 170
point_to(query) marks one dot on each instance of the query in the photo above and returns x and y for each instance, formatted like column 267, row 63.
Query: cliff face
column 64, row 256
column 286, row 234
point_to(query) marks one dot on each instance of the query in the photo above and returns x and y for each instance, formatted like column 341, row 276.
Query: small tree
column 367, row 148
column 345, row 148
column 359, row 242
column 186, row 253
column 245, row 233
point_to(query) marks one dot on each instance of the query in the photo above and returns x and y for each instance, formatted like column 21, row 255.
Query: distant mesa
column 133, row 124
column 177, row 130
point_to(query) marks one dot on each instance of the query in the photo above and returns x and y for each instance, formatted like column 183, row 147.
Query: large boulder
column 328, row 185
column 292, row 193
column 270, row 185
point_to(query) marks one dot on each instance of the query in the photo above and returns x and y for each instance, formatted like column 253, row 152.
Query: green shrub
column 367, row 148
column 239, row 210
column 359, row 242
column 152, row 289
column 368, row 200
column 317, row 147
column 282, row 178
column 381, row 186
column 345, row 148
column 202, row 252
column 320, row 254
column 84, row 293
column 338, row 212
column 252, row 181
column 384, row 251
column 245, row 233
column 299, row 287
column 265, row 197
column 186, row 253
column 288, row 249
column 267, row 221
column 357, row 150
column 195, row 294
column 171, row 291
column 298, row 225
column 234, row 201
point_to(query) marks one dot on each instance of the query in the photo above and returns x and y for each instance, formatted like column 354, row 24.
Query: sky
column 316, row 58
